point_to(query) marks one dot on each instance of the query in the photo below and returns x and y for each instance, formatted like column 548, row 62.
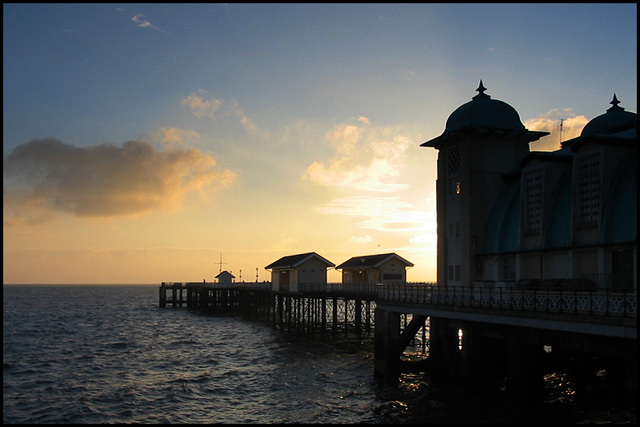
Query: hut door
column 284, row 280
column 360, row 276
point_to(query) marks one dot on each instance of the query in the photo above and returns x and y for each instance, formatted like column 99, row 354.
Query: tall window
column 589, row 190
column 533, row 201
column 453, row 161
column 453, row 170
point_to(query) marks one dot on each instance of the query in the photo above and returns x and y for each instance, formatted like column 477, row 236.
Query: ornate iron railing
column 366, row 290
column 608, row 303
column 562, row 301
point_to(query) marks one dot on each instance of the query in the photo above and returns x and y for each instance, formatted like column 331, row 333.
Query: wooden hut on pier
column 289, row 272
column 374, row 269
column 225, row 278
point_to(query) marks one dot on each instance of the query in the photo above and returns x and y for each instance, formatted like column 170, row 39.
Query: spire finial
column 615, row 103
column 480, row 91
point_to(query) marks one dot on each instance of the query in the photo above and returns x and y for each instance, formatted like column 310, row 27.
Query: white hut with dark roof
column 387, row 268
column 289, row 272
column 225, row 278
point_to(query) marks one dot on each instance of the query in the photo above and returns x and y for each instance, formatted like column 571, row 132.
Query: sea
column 91, row 354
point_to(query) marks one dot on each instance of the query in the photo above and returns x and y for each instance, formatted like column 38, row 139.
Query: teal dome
column 613, row 121
column 482, row 112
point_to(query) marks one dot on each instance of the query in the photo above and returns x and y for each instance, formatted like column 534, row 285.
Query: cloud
column 143, row 22
column 360, row 239
column 572, row 126
column 201, row 107
column 46, row 175
column 381, row 213
column 174, row 137
column 367, row 158
column 218, row 109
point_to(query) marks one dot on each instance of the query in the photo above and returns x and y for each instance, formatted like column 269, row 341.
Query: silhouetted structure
column 225, row 278
column 508, row 216
column 388, row 268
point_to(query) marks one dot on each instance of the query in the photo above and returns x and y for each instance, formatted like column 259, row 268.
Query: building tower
column 481, row 145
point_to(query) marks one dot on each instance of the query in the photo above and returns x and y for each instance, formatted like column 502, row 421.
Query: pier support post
column 484, row 358
column 444, row 354
column 525, row 379
column 387, row 346
column 163, row 296
column 358, row 317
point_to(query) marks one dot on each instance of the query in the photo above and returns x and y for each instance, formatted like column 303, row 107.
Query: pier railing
column 605, row 303
column 622, row 304
column 365, row 290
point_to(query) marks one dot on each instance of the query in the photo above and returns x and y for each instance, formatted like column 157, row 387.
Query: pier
column 468, row 337
column 314, row 309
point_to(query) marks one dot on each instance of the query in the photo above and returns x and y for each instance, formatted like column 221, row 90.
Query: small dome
column 484, row 112
column 613, row 121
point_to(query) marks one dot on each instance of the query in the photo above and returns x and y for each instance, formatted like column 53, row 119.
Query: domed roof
column 613, row 121
column 484, row 112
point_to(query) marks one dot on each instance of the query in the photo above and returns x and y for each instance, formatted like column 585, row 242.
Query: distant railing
column 563, row 301
column 233, row 285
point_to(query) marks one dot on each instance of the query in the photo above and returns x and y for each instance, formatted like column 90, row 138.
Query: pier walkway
column 601, row 313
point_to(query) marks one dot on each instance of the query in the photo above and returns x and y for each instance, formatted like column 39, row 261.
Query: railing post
column 561, row 300
column 624, row 294
column 547, row 300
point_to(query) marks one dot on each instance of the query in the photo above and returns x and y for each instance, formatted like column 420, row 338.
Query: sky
column 145, row 143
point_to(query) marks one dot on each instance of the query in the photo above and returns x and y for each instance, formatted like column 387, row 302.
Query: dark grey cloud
column 105, row 179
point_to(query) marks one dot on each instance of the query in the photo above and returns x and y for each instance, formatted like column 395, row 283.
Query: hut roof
column 293, row 261
column 372, row 261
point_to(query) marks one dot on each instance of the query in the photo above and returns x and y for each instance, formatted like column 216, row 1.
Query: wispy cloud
column 142, row 21
column 46, row 175
column 381, row 213
column 201, row 107
column 218, row 109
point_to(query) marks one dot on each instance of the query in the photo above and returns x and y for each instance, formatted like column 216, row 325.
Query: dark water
column 108, row 354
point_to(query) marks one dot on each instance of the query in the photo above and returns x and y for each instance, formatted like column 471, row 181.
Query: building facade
column 508, row 216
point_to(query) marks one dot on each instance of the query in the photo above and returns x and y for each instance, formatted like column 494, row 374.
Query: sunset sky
column 143, row 142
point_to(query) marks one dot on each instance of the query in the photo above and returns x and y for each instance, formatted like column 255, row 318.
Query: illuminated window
column 589, row 190
column 533, row 201
column 454, row 187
